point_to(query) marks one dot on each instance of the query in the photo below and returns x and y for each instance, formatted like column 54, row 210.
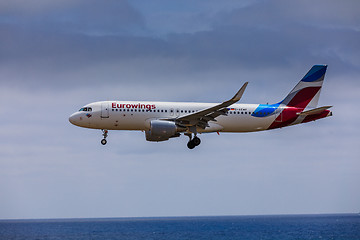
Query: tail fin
column 307, row 92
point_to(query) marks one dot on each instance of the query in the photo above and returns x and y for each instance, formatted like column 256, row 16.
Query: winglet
column 239, row 94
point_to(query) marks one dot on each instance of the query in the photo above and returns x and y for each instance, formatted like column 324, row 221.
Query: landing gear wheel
column 196, row 141
column 105, row 134
column 190, row 145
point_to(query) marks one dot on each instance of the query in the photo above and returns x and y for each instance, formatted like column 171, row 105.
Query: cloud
column 33, row 7
column 49, row 20
column 58, row 56
column 183, row 16
column 262, row 36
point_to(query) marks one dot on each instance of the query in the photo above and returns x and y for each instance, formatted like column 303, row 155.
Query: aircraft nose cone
column 72, row 119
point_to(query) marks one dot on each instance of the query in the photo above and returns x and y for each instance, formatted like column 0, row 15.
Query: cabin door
column 105, row 110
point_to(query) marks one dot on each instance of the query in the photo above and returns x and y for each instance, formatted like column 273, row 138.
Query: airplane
column 164, row 120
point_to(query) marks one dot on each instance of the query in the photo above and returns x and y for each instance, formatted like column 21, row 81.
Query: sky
column 56, row 56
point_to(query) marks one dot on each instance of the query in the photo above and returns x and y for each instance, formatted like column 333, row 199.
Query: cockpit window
column 85, row 109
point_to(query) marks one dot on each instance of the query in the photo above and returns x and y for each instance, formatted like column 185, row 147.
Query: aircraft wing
column 202, row 117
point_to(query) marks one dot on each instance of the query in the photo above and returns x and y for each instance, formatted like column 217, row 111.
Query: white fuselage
column 131, row 115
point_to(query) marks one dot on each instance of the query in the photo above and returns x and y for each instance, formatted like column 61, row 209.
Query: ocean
column 339, row 226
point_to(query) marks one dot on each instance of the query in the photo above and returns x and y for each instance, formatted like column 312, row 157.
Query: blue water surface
column 176, row 228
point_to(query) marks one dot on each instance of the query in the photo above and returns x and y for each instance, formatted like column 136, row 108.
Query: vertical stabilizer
column 307, row 92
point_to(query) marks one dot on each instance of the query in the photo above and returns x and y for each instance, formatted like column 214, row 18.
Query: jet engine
column 161, row 130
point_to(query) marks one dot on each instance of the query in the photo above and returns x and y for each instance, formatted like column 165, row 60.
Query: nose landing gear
column 105, row 134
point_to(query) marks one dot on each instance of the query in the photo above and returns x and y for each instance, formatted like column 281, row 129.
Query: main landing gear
column 193, row 142
column 105, row 134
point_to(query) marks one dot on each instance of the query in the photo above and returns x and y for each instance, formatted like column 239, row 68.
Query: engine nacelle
column 161, row 131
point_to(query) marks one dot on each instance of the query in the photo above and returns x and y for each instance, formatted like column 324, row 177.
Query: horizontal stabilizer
column 313, row 111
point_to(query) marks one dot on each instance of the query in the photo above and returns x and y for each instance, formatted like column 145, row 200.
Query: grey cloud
column 85, row 17
column 278, row 13
column 183, row 16
column 33, row 7
column 260, row 36
column 95, row 17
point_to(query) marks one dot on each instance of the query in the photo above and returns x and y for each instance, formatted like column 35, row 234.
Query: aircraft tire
column 190, row 145
column 103, row 141
column 196, row 141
